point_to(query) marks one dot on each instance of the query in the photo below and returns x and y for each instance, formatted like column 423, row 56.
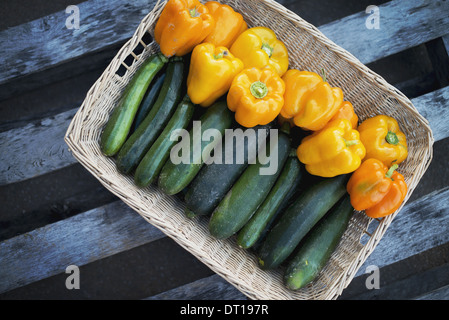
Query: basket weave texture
column 309, row 50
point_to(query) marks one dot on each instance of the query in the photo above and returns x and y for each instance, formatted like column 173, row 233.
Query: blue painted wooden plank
column 402, row 25
column 46, row 42
column 446, row 43
column 419, row 226
column 439, row 294
column 36, row 149
column 84, row 238
column 211, row 288
column 434, row 107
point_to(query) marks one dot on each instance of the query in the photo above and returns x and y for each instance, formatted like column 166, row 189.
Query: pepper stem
column 323, row 73
column 391, row 170
column 194, row 13
column 259, row 89
column 268, row 49
column 351, row 142
column 392, row 138
column 220, row 55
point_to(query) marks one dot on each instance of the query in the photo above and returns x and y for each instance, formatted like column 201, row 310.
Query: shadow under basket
column 309, row 50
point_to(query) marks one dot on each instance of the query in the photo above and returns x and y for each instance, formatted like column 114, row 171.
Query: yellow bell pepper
column 211, row 72
column 228, row 24
column 332, row 151
column 383, row 139
column 256, row 96
column 259, row 47
column 309, row 99
column 181, row 26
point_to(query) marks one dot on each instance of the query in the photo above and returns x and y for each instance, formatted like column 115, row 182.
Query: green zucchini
column 303, row 181
column 214, row 180
column 175, row 177
column 289, row 178
column 151, row 164
column 298, row 219
column 294, row 192
column 119, row 124
column 249, row 191
column 318, row 245
column 148, row 101
column 138, row 144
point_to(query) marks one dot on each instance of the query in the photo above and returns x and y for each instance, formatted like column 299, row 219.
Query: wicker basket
column 309, row 49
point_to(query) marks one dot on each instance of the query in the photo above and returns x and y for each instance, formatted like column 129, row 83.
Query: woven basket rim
column 90, row 159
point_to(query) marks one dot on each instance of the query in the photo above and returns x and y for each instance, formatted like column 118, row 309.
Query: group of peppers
column 252, row 66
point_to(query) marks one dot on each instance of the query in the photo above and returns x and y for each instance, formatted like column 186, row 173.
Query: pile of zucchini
column 289, row 219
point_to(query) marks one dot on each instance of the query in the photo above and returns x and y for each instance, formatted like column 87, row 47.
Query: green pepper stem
column 323, row 73
column 268, row 49
column 194, row 13
column 351, row 142
column 221, row 55
column 391, row 170
column 392, row 138
column 259, row 89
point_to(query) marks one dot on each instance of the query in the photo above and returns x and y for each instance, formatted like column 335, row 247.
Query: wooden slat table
column 54, row 214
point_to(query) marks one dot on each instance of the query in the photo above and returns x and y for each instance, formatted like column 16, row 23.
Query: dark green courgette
column 138, row 144
column 249, row 191
column 174, row 177
column 214, row 180
column 148, row 101
column 302, row 183
column 288, row 180
column 151, row 164
column 318, row 245
column 293, row 194
column 119, row 124
column 298, row 219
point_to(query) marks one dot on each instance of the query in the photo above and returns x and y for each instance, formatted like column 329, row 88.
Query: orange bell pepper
column 346, row 111
column 181, row 26
column 368, row 184
column 256, row 96
column 377, row 189
column 392, row 200
column 228, row 24
column 309, row 99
